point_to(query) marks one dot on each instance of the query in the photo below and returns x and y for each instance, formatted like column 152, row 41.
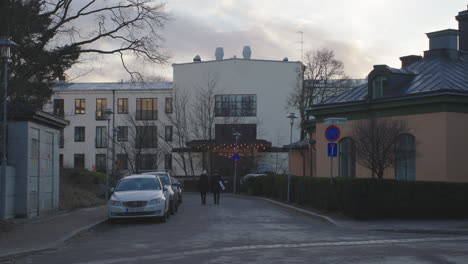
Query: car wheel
column 171, row 207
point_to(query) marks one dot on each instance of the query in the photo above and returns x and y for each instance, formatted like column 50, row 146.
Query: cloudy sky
column 361, row 32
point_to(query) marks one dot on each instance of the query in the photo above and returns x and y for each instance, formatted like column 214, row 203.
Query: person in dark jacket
column 216, row 183
column 203, row 186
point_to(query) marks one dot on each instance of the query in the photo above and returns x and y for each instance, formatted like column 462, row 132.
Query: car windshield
column 138, row 184
column 164, row 179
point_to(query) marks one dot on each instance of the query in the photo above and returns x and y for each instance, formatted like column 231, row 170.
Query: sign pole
column 331, row 168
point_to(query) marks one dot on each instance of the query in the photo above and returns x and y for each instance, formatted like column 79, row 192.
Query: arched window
column 379, row 84
column 347, row 159
column 405, row 168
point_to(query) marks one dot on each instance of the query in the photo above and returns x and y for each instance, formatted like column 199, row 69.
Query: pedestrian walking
column 203, row 186
column 216, row 186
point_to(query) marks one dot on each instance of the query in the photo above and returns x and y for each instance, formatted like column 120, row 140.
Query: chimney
column 408, row 60
column 219, row 53
column 246, row 52
column 443, row 39
column 462, row 19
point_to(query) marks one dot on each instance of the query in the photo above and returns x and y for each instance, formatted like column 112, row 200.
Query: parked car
column 244, row 178
column 166, row 179
column 179, row 186
column 138, row 196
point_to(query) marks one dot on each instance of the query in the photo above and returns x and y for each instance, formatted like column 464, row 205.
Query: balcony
column 146, row 115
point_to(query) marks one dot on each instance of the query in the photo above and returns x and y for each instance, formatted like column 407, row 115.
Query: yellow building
column 429, row 93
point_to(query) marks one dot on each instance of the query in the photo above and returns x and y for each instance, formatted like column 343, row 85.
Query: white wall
column 271, row 81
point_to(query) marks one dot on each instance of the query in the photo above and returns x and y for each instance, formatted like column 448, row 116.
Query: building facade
column 121, row 125
column 249, row 97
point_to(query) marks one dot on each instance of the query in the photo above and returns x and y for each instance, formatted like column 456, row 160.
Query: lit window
column 80, row 106
column 146, row 109
column 122, row 106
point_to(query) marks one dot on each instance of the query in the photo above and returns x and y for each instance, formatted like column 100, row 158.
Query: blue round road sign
column 332, row 133
column 236, row 156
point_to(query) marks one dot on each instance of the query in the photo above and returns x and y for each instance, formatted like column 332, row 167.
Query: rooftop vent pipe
column 219, row 53
column 247, row 52
column 197, row 58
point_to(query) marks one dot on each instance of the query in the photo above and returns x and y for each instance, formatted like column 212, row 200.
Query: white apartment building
column 250, row 98
column 138, row 125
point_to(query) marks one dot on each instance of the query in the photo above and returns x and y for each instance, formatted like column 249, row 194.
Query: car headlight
column 156, row 201
column 115, row 203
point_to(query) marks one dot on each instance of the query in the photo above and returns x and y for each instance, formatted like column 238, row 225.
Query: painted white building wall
column 271, row 81
column 88, row 120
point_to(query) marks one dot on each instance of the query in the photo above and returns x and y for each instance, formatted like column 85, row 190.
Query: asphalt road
column 244, row 230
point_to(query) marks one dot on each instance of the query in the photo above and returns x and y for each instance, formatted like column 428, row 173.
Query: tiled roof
column 432, row 74
column 107, row 86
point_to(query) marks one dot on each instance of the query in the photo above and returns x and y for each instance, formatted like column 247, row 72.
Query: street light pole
column 108, row 113
column 291, row 117
column 5, row 44
column 237, row 135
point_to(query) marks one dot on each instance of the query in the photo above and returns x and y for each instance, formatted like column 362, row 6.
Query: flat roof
column 236, row 60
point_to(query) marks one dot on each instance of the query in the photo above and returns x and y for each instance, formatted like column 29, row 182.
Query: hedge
column 368, row 198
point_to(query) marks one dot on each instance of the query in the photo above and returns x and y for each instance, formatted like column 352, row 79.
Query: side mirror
column 112, row 190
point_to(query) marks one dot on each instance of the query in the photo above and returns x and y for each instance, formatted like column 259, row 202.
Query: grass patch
column 80, row 189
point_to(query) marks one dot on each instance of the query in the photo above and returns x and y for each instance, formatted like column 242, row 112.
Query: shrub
column 368, row 198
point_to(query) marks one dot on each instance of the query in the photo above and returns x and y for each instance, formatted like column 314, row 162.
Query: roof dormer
column 384, row 81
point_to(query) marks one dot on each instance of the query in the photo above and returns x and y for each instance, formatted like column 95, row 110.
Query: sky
column 362, row 33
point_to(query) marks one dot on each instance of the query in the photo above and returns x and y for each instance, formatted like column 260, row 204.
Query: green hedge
column 368, row 198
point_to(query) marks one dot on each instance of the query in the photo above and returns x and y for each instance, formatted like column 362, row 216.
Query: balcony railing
column 146, row 115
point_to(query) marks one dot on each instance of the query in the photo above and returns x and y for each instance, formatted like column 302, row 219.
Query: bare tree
column 323, row 77
column 53, row 36
column 203, row 116
column 375, row 143
column 179, row 120
column 141, row 145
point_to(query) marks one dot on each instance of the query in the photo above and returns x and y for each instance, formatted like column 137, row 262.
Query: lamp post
column 236, row 135
column 5, row 45
column 108, row 115
column 291, row 117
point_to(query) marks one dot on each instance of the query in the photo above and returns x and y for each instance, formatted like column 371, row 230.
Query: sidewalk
column 390, row 225
column 48, row 233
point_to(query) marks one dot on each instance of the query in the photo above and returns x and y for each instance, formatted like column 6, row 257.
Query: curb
column 323, row 218
column 52, row 245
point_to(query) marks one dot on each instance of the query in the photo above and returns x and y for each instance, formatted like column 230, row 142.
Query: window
column 59, row 109
column 235, row 105
column 146, row 162
column 405, row 168
column 79, row 134
column 147, row 109
column 101, row 106
column 80, row 106
column 168, row 106
column 122, row 133
column 60, row 160
column 147, row 137
column 79, row 162
column 168, row 161
column 122, row 106
column 379, row 84
column 347, row 159
column 122, row 161
column 61, row 139
column 101, row 162
column 168, row 133
column 101, row 140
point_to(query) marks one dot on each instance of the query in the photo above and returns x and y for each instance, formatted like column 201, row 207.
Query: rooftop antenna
column 302, row 42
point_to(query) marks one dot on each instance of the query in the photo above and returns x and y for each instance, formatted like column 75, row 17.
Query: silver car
column 166, row 179
column 138, row 196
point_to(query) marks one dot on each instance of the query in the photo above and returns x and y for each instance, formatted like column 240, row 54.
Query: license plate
column 134, row 209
